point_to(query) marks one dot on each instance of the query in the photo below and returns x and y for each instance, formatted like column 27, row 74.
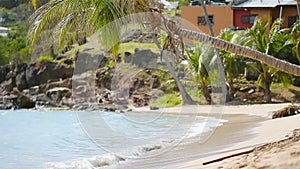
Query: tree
column 199, row 58
column 271, row 42
column 4, row 55
column 233, row 64
column 90, row 15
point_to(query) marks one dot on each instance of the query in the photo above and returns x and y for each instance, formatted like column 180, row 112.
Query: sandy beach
column 272, row 145
column 250, row 139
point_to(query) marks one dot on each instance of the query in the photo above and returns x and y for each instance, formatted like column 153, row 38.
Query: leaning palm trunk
column 298, row 8
column 281, row 65
column 42, row 16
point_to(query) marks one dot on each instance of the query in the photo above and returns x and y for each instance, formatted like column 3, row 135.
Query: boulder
column 67, row 83
column 21, row 82
column 20, row 68
column 86, row 62
column 22, row 101
column 7, row 86
column 4, row 70
column 140, row 99
column 131, row 35
column 6, row 106
column 48, row 71
column 142, row 58
column 57, row 94
column 103, row 80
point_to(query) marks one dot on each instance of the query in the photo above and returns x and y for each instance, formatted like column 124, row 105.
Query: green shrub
column 45, row 59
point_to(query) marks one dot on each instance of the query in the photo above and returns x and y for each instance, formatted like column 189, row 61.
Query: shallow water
column 67, row 139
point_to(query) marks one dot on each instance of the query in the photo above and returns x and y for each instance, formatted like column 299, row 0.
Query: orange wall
column 223, row 18
column 288, row 11
column 273, row 13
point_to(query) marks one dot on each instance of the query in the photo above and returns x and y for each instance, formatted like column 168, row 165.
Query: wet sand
column 248, row 127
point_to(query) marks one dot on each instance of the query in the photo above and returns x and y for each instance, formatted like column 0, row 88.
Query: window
column 202, row 21
column 248, row 19
column 292, row 20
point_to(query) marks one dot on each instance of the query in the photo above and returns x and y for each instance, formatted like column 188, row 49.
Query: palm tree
column 295, row 39
column 270, row 42
column 199, row 58
column 233, row 64
column 92, row 15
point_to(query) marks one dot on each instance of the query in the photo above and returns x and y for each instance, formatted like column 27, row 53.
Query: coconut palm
column 233, row 64
column 199, row 58
column 93, row 14
column 295, row 39
column 270, row 42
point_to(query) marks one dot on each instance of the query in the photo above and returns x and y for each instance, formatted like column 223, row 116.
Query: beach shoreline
column 248, row 126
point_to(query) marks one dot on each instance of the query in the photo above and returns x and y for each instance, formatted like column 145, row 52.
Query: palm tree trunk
column 205, row 91
column 232, row 48
column 267, row 90
column 231, row 89
column 298, row 8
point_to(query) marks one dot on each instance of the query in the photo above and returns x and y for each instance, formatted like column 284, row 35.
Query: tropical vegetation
column 270, row 52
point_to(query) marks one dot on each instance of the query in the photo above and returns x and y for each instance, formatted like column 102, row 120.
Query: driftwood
column 289, row 110
column 229, row 156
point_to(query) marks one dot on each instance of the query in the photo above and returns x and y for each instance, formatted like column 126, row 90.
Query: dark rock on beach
column 22, row 101
column 48, row 71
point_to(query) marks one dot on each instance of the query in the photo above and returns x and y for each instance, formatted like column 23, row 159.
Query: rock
column 110, row 108
column 67, row 83
column 154, row 82
column 20, row 68
column 57, row 93
column 68, row 61
column 21, row 82
column 6, row 106
column 131, row 35
column 251, row 91
column 142, row 58
column 4, row 70
column 43, row 100
column 140, row 100
column 88, row 107
column 85, row 62
column 34, row 90
column 103, row 80
column 8, row 85
column 154, row 108
column 22, row 101
column 48, row 71
column 146, row 38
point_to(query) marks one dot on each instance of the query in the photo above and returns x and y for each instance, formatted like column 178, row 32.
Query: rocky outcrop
column 3, row 72
column 140, row 99
column 142, row 58
column 86, row 62
column 131, row 35
column 22, row 101
column 136, row 35
column 21, row 81
column 48, row 71
column 58, row 93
